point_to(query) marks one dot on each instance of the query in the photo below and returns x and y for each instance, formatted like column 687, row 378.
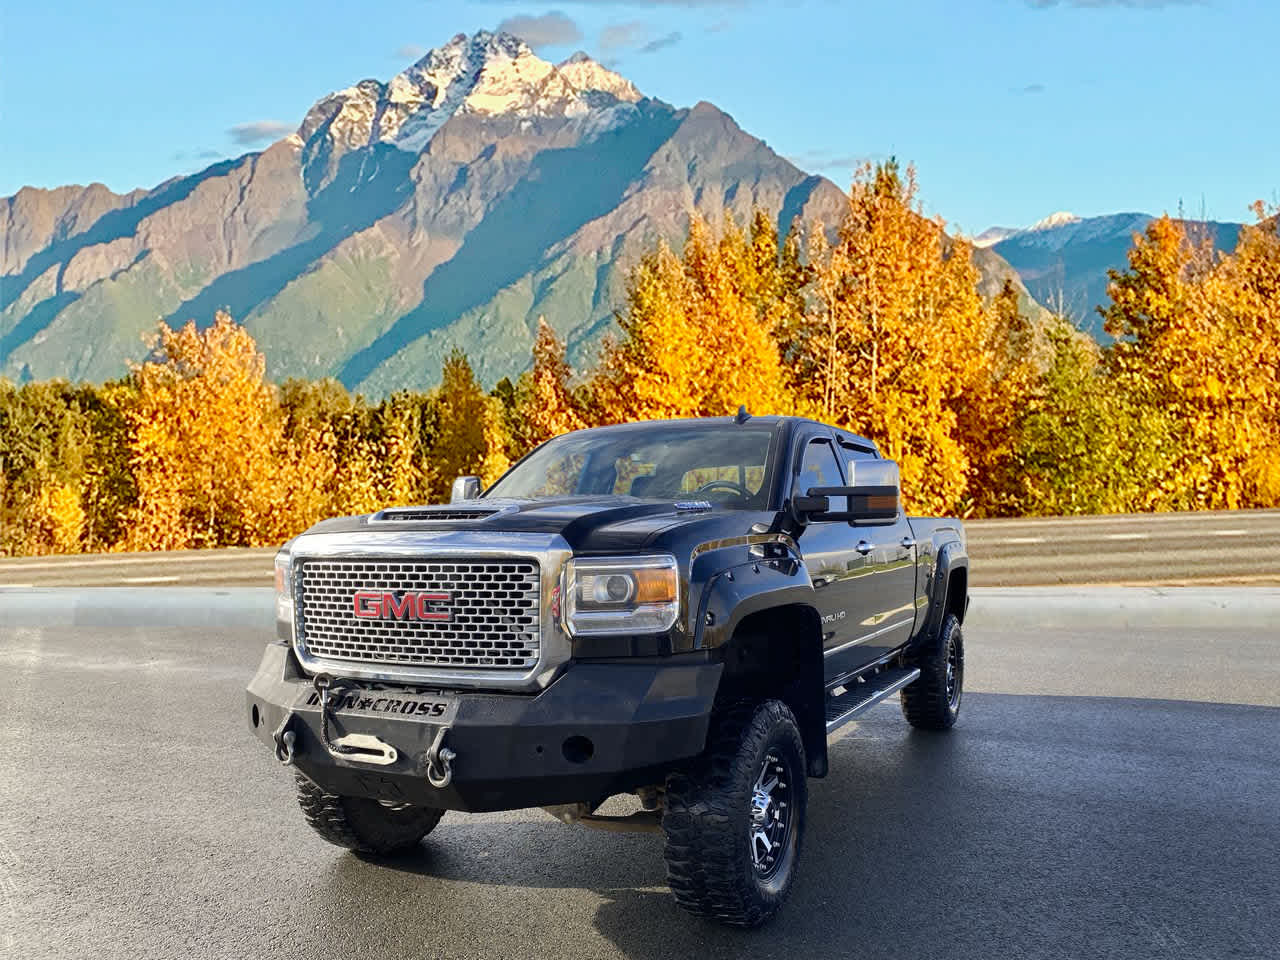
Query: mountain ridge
column 1064, row 260
column 452, row 205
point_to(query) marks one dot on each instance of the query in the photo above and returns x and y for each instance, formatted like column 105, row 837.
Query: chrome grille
column 493, row 606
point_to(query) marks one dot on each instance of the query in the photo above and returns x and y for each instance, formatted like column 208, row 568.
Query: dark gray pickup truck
column 679, row 610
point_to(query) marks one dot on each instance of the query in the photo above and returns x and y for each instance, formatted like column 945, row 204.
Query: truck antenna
column 742, row 416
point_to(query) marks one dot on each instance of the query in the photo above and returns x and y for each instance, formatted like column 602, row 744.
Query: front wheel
column 932, row 702
column 365, row 825
column 735, row 820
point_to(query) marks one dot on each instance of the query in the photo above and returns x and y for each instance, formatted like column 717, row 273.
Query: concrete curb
column 231, row 608
column 1137, row 607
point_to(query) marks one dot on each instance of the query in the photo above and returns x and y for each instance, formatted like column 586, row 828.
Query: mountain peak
column 590, row 77
column 485, row 73
column 1059, row 219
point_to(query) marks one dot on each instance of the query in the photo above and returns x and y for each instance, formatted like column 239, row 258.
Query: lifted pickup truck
column 682, row 610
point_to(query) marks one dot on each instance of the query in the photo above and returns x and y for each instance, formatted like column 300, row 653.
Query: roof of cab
column 770, row 420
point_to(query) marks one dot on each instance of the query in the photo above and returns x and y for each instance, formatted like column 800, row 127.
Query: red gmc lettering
column 384, row 604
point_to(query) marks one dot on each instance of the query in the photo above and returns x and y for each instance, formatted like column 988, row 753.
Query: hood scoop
column 453, row 513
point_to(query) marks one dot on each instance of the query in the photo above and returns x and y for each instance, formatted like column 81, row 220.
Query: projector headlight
column 621, row 595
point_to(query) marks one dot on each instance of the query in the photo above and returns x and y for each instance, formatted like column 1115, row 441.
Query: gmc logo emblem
column 386, row 605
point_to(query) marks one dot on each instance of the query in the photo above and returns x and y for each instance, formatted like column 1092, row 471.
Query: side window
column 818, row 467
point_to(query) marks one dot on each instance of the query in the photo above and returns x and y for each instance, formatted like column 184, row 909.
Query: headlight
column 284, row 588
column 624, row 595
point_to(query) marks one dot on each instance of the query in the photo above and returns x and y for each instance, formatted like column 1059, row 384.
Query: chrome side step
column 864, row 693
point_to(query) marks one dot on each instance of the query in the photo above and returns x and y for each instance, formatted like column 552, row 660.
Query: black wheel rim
column 772, row 814
column 955, row 673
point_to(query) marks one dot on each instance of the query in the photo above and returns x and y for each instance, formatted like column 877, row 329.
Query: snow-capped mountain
column 486, row 74
column 451, row 205
column 1063, row 259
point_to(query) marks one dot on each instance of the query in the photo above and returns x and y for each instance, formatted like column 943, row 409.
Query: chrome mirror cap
column 465, row 488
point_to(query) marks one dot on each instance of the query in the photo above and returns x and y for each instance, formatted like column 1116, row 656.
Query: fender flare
column 953, row 557
column 743, row 590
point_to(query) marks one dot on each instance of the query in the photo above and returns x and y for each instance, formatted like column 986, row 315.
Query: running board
column 864, row 693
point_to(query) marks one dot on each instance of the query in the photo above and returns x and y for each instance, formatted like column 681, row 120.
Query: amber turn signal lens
column 655, row 586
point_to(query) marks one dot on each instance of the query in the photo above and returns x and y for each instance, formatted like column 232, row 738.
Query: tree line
column 877, row 326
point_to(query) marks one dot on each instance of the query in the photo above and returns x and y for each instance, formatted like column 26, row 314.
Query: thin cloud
column 209, row 154
column 623, row 36
column 259, row 132
column 661, row 43
column 822, row 159
column 411, row 51
column 636, row 35
column 1031, row 89
column 552, row 29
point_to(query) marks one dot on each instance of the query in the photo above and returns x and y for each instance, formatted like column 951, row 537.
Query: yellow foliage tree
column 56, row 520
column 206, row 442
column 1199, row 336
column 545, row 403
column 895, row 338
column 695, row 342
column 469, row 438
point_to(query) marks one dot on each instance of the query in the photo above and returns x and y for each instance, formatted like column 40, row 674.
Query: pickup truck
column 680, row 610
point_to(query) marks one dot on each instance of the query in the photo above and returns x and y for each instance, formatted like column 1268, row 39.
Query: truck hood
column 587, row 524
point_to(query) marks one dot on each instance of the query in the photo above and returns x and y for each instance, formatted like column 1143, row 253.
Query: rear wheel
column 734, row 821
column 365, row 825
column 932, row 702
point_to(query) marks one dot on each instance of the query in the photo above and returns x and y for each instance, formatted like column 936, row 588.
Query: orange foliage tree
column 896, row 337
column 206, row 442
column 696, row 335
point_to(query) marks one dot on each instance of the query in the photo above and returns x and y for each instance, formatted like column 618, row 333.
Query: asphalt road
column 1228, row 547
column 1110, row 791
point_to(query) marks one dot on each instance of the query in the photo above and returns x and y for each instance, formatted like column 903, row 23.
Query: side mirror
column 465, row 488
column 873, row 497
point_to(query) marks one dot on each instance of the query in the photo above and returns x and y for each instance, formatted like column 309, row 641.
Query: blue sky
column 1011, row 109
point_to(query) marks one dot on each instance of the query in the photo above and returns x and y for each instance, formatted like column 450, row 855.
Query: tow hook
column 285, row 740
column 440, row 761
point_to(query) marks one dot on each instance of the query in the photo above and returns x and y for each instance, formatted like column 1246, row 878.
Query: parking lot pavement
column 1110, row 791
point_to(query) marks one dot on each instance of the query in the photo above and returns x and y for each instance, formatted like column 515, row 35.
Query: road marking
column 1127, row 536
column 1021, row 540
column 149, row 579
column 1229, row 533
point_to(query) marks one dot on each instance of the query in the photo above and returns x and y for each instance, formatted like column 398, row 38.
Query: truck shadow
column 1041, row 826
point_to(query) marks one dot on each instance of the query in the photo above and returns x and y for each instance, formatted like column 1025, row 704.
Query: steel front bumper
column 599, row 729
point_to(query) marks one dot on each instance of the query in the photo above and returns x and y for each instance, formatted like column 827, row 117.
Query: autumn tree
column 65, row 480
column 895, row 336
column 543, row 402
column 205, row 445
column 1079, row 444
column 469, row 437
column 1197, row 336
column 696, row 333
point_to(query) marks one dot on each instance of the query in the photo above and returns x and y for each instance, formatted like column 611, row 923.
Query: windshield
column 721, row 463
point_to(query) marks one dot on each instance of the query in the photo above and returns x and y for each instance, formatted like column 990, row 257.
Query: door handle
column 864, row 547
column 908, row 542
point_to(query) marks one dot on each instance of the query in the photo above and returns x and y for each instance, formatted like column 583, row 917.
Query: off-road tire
column 929, row 703
column 707, row 817
column 364, row 825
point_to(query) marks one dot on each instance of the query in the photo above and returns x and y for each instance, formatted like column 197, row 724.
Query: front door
column 834, row 567
column 886, row 591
